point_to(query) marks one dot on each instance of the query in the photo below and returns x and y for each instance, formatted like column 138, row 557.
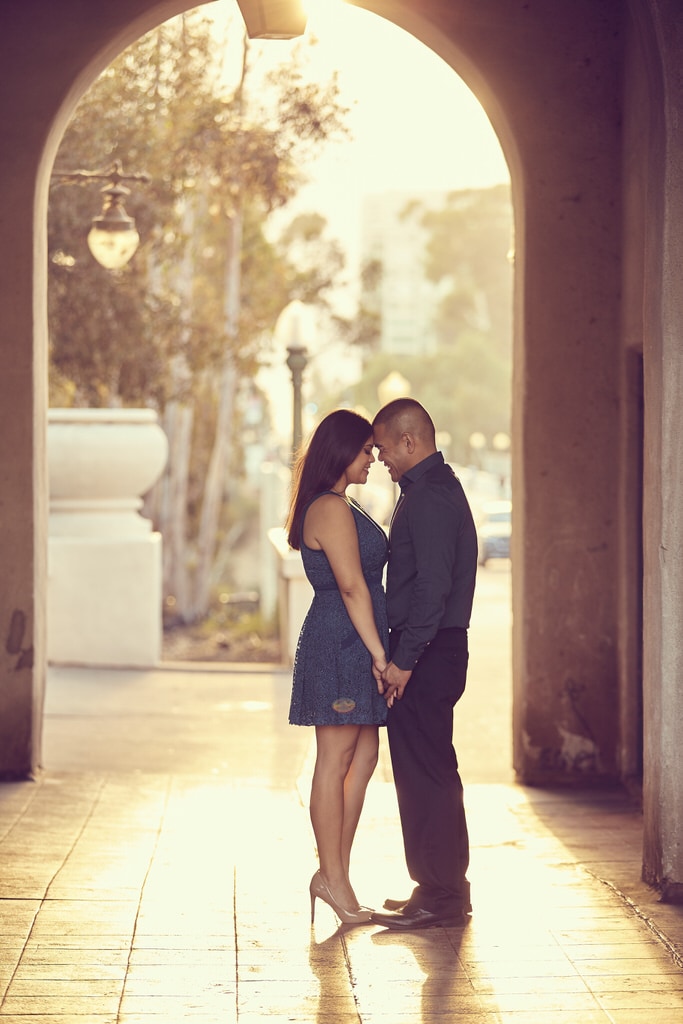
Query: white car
column 494, row 527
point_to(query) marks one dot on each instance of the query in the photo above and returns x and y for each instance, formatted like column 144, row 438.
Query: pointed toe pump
column 319, row 888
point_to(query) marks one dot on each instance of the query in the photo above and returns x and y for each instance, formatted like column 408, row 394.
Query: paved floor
column 158, row 871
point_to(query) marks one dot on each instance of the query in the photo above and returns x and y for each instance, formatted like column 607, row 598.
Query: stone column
column 104, row 560
column 295, row 594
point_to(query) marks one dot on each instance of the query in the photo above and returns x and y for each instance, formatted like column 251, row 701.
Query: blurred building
column 396, row 288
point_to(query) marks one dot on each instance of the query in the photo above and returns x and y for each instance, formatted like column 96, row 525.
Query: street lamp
column 293, row 328
column 113, row 237
column 501, row 447
column 393, row 386
column 297, row 359
column 273, row 19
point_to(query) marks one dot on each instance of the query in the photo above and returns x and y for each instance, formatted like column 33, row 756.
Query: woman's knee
column 366, row 754
column 336, row 748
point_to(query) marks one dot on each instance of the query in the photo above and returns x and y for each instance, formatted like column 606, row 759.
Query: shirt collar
column 419, row 469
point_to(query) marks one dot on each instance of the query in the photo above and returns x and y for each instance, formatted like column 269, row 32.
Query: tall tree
column 182, row 324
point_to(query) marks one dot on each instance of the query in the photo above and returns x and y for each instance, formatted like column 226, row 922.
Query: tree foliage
column 458, row 399
column 315, row 260
column 467, row 256
column 211, row 156
column 466, row 383
column 182, row 326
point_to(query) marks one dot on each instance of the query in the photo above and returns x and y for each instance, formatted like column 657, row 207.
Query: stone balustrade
column 104, row 559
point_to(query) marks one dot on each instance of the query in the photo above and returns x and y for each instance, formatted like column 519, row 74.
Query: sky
column 414, row 123
column 415, row 126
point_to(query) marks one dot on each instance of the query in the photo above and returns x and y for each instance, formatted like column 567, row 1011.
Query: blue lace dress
column 333, row 681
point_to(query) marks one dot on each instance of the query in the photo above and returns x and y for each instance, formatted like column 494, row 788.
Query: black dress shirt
column 432, row 560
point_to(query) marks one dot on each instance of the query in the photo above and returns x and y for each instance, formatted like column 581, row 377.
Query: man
column 430, row 587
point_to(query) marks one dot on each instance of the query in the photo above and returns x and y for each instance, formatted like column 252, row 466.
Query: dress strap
column 357, row 505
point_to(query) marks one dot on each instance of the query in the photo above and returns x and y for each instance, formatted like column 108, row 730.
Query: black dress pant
column 425, row 767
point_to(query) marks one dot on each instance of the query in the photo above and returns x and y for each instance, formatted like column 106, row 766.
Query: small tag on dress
column 343, row 705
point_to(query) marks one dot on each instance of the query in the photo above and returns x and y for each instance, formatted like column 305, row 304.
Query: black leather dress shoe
column 417, row 917
column 394, row 904
column 400, row 904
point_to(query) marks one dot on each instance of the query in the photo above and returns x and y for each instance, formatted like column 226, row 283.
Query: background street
column 483, row 718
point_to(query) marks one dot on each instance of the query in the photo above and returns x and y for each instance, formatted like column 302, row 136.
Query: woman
column 341, row 653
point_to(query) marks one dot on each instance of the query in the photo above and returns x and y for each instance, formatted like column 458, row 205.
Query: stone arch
column 89, row 62
column 492, row 67
column 551, row 79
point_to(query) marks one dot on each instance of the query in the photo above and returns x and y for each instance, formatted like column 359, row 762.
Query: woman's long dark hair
column 335, row 444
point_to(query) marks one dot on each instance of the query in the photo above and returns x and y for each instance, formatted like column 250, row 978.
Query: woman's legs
column 355, row 785
column 343, row 766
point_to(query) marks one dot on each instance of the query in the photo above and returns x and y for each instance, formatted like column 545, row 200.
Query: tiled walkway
column 158, row 871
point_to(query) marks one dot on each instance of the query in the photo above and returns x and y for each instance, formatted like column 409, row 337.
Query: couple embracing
column 366, row 659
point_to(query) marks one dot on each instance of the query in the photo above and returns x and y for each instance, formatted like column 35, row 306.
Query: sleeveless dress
column 333, row 682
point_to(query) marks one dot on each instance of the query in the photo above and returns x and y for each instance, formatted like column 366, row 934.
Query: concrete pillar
column 273, row 493
column 295, row 594
column 559, row 121
column 23, row 478
column 104, row 580
column 663, row 462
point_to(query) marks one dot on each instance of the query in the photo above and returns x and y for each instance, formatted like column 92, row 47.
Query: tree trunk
column 218, row 463
column 214, row 487
column 178, row 422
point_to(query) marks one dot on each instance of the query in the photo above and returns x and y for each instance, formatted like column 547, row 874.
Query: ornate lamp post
column 394, row 385
column 297, row 360
column 293, row 328
column 113, row 237
column 501, row 447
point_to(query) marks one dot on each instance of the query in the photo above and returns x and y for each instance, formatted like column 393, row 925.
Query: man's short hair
column 405, row 415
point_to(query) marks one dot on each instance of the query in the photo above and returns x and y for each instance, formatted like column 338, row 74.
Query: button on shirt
column 433, row 558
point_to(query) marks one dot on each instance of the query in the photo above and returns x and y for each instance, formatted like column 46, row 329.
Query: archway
column 395, row 177
column 566, row 337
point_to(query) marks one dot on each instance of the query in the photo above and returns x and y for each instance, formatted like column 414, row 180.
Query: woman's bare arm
column 331, row 527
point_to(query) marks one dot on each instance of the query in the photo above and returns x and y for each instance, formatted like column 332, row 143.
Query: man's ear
column 409, row 441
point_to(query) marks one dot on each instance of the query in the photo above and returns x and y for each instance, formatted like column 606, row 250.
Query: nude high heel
column 318, row 888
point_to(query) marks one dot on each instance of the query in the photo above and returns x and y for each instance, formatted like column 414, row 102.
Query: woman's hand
column 379, row 666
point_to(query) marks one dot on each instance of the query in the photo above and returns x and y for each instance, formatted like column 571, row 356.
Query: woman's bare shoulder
column 328, row 505
column 326, row 515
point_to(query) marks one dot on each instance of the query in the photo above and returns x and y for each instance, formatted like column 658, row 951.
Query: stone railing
column 104, row 559
column 295, row 593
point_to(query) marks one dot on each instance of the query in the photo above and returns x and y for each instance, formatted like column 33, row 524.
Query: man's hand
column 395, row 681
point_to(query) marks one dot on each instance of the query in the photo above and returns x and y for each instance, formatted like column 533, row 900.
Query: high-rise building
column 396, row 288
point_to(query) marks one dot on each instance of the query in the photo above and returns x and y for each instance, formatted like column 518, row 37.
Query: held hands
column 395, row 680
column 391, row 680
